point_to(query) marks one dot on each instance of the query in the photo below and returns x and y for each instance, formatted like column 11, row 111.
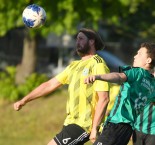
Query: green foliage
column 10, row 91
column 65, row 16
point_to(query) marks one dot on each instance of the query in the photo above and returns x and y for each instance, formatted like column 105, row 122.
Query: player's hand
column 93, row 135
column 90, row 79
column 18, row 105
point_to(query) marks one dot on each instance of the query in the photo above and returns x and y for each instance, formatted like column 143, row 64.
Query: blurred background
column 29, row 57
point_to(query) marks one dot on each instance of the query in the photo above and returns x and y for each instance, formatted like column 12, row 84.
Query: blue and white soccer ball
column 34, row 16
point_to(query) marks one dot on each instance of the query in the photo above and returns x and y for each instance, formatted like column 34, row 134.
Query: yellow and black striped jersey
column 83, row 97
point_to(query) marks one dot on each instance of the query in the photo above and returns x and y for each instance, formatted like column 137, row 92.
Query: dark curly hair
column 151, row 52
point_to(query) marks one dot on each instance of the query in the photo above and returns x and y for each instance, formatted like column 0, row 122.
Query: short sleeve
column 101, row 68
column 63, row 76
column 132, row 73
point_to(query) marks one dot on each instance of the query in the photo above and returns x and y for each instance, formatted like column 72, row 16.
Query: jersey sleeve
column 63, row 76
column 101, row 68
column 131, row 73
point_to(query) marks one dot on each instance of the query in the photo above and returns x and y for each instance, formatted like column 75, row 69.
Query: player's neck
column 90, row 54
column 85, row 57
column 148, row 69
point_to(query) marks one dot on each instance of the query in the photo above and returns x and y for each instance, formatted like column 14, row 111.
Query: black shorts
column 115, row 134
column 143, row 139
column 72, row 134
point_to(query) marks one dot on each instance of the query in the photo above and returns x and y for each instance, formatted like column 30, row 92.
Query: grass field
column 35, row 124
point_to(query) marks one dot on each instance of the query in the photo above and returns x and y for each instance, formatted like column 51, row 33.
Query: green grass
column 35, row 124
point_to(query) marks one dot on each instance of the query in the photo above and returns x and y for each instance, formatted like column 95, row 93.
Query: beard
column 82, row 50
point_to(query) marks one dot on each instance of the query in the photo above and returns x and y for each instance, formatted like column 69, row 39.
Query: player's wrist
column 97, row 77
column 95, row 128
column 23, row 102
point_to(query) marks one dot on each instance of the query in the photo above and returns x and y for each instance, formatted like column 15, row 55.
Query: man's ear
column 149, row 60
column 91, row 41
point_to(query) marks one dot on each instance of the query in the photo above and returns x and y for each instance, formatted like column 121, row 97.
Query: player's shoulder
column 98, row 59
column 74, row 62
column 127, row 68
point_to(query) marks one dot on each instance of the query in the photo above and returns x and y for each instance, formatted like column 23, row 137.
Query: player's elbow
column 105, row 99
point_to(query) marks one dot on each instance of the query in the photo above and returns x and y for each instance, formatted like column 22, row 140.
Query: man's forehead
column 142, row 49
column 81, row 35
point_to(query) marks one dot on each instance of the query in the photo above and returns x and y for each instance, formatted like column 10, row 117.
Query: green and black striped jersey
column 134, row 94
column 145, row 122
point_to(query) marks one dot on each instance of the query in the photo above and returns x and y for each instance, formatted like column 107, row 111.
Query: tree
column 128, row 18
column 61, row 18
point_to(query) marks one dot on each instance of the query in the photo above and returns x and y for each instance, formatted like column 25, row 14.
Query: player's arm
column 42, row 90
column 99, row 113
column 110, row 77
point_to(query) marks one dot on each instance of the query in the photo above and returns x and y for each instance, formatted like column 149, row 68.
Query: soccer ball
column 34, row 16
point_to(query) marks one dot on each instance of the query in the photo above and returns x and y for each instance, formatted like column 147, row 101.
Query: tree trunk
column 28, row 63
